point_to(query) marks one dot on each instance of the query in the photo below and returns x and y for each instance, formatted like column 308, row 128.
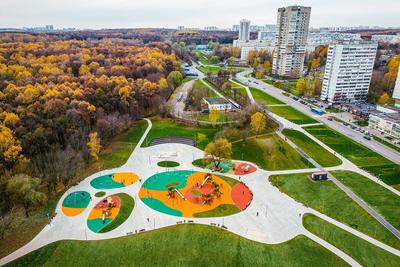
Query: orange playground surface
column 197, row 195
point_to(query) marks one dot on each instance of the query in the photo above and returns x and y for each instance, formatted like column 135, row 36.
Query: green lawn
column 216, row 69
column 269, row 152
column 360, row 250
column 205, row 88
column 264, row 98
column 386, row 143
column 289, row 86
column 221, row 210
column 315, row 151
column 360, row 155
column 124, row 212
column 164, row 127
column 222, row 117
column 181, row 245
column 168, row 164
column 292, row 114
column 377, row 197
column 122, row 147
column 327, row 198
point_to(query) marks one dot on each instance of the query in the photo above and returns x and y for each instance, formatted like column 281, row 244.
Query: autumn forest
column 61, row 99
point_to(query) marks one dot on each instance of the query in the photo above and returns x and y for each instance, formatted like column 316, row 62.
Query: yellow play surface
column 126, row 178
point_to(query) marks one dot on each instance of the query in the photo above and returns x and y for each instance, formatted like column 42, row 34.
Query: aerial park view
column 215, row 146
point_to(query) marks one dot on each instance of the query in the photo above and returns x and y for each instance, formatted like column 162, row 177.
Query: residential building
column 244, row 30
column 318, row 38
column 290, row 41
column 266, row 36
column 217, row 103
column 348, row 71
column 210, row 28
column 396, row 90
column 385, row 38
column 387, row 120
column 253, row 45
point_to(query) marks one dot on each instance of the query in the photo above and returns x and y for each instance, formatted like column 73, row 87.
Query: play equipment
column 208, row 176
column 203, row 193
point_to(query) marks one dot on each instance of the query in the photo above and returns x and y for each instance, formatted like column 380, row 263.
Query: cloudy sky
column 97, row 14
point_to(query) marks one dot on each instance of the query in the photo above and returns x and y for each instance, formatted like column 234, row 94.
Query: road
column 348, row 192
column 354, row 135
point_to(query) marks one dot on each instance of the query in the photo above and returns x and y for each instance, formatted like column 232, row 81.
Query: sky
column 99, row 14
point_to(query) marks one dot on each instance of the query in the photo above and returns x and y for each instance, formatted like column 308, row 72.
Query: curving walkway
column 272, row 217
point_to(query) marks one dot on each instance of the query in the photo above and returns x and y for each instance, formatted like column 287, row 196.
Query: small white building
column 218, row 103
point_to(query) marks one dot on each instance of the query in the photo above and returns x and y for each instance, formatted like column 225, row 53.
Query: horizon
column 123, row 14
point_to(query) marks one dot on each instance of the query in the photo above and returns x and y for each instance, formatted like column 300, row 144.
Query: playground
column 191, row 194
column 75, row 203
column 114, row 180
column 236, row 168
column 104, row 213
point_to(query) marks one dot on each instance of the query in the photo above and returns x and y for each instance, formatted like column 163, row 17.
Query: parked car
column 367, row 136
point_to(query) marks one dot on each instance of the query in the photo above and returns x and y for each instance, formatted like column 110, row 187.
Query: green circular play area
column 168, row 164
column 75, row 203
column 105, row 182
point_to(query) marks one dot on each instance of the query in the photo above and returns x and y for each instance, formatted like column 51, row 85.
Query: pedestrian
column 239, row 178
column 299, row 214
column 148, row 220
column 257, row 213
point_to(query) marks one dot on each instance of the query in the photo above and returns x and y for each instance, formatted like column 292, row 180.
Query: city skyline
column 125, row 14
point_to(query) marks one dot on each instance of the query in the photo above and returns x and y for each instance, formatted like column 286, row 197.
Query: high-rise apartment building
column 396, row 90
column 290, row 41
column 348, row 71
column 244, row 30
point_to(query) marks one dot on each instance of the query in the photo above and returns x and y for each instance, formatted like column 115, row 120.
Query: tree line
column 61, row 100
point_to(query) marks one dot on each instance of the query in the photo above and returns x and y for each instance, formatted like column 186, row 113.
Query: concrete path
column 249, row 95
column 271, row 218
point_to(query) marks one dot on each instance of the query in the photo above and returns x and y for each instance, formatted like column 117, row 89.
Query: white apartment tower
column 396, row 90
column 244, row 30
column 348, row 71
column 290, row 41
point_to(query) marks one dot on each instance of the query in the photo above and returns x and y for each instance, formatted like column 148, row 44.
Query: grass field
column 269, row 152
column 222, row 117
column 264, row 98
column 289, row 86
column 360, row 155
column 327, row 198
column 360, row 250
column 182, row 245
column 115, row 154
column 377, row 197
column 386, row 143
column 216, row 69
column 208, row 92
column 315, row 151
column 292, row 114
column 163, row 127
